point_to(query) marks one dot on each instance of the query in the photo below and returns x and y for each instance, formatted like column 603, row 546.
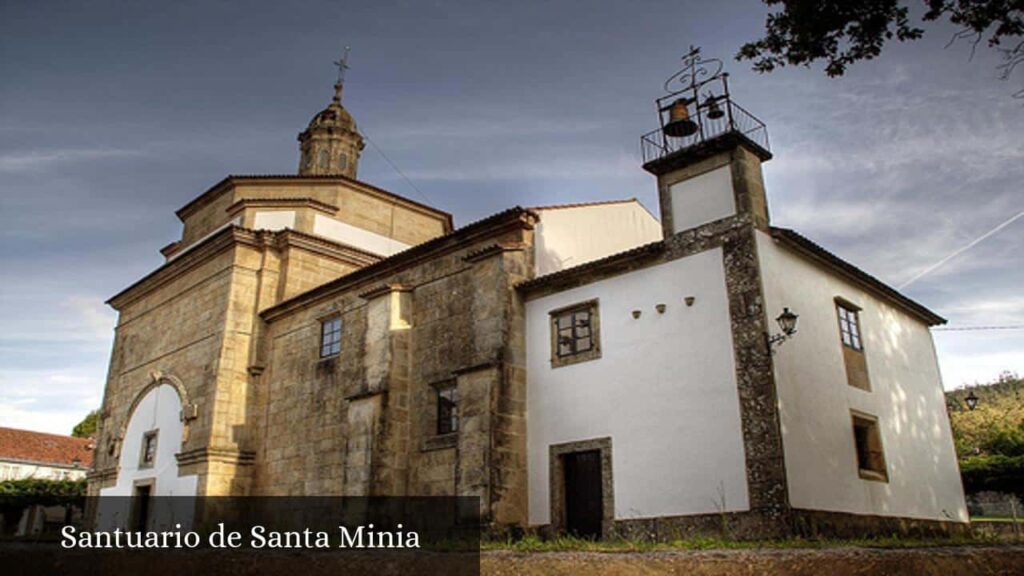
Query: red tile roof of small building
column 42, row 448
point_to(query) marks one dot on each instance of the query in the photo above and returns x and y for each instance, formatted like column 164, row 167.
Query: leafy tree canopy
column 990, row 439
column 841, row 32
column 87, row 427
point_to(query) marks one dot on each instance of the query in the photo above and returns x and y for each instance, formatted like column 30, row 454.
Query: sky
column 115, row 114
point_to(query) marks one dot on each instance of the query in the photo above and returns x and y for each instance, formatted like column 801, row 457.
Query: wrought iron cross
column 342, row 67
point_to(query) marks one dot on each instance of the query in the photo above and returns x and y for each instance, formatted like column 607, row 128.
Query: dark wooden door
column 584, row 502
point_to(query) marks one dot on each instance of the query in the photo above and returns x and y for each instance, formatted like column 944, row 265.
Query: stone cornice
column 294, row 238
column 284, row 180
column 298, row 202
column 216, row 454
column 382, row 290
column 234, row 235
column 195, row 255
column 492, row 250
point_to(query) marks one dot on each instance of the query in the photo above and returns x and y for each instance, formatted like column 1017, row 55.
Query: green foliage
column 43, row 492
column 990, row 439
column 997, row 473
column 996, row 426
column 841, row 32
column 87, row 427
column 17, row 495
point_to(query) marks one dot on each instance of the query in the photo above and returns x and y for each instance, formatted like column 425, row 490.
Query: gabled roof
column 45, row 449
column 468, row 233
column 806, row 247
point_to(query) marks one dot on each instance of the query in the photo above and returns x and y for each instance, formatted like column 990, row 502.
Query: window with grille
column 849, row 326
column 330, row 337
column 148, row 456
column 575, row 334
column 447, row 409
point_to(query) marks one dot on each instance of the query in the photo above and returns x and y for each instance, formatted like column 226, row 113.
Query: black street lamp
column 787, row 323
column 972, row 400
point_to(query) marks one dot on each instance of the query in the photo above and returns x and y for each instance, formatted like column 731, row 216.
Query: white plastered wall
column 664, row 390
column 702, row 199
column 355, row 236
column 159, row 409
column 815, row 400
column 570, row 236
column 274, row 220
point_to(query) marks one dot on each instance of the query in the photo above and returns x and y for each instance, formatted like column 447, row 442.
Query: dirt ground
column 944, row 561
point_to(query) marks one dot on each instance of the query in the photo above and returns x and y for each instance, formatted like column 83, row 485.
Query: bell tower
column 331, row 144
column 708, row 151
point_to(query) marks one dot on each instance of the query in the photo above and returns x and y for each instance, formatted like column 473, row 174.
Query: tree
column 841, row 32
column 87, row 427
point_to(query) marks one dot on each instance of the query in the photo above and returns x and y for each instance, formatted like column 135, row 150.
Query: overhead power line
column 394, row 166
column 973, row 328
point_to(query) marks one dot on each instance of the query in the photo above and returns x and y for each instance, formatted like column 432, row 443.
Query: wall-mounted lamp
column 787, row 323
column 636, row 314
column 689, row 300
column 660, row 308
column 972, row 400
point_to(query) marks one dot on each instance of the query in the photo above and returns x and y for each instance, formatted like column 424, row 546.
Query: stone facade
column 234, row 317
column 446, row 314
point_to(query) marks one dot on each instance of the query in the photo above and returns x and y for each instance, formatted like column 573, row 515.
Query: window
column 447, row 409
column 342, row 162
column 574, row 334
column 868, row 441
column 849, row 326
column 330, row 337
column 848, row 315
column 148, row 456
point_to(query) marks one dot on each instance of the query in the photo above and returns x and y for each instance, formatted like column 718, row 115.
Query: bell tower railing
column 697, row 108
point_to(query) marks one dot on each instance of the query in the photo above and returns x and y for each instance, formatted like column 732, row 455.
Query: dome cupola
column 331, row 144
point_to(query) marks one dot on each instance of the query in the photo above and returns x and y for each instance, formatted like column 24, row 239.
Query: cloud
column 35, row 161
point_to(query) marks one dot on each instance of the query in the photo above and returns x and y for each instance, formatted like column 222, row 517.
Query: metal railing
column 656, row 144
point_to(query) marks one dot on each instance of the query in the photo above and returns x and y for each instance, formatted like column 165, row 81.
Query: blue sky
column 114, row 114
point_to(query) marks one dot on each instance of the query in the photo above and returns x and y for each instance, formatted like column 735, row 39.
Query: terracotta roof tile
column 38, row 447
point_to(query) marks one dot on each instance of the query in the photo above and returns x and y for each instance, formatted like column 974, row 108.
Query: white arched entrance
column 147, row 465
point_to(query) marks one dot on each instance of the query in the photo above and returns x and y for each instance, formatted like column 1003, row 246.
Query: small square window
column 575, row 334
column 330, row 337
column 447, row 409
column 148, row 456
column 868, row 441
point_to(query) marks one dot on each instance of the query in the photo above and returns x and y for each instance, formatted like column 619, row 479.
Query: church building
column 583, row 368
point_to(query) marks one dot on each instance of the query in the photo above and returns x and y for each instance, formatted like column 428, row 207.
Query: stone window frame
column 594, row 352
column 452, row 388
column 333, row 347
column 148, row 436
column 556, row 482
column 851, row 340
column 869, row 449
column 848, row 317
column 432, row 439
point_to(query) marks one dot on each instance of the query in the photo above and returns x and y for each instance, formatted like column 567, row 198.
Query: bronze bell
column 679, row 123
column 714, row 112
